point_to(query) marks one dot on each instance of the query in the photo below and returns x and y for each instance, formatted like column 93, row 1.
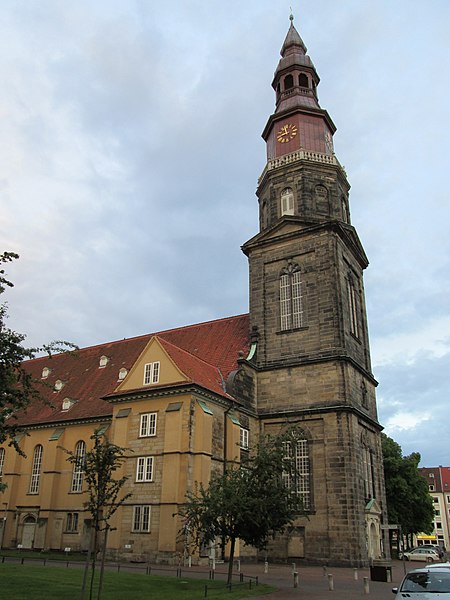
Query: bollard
column 239, row 565
column 355, row 574
column 213, row 564
column 366, row 585
column 389, row 576
column 324, row 570
column 295, row 579
column 294, row 567
column 190, row 561
column 266, row 567
column 330, row 583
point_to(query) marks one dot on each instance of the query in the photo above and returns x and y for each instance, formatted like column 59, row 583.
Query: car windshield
column 426, row 582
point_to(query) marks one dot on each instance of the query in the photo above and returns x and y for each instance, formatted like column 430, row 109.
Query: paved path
column 314, row 582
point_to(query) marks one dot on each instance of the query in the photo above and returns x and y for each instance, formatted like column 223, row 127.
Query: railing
column 274, row 163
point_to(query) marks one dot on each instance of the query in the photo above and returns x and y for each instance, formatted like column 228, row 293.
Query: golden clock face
column 287, row 132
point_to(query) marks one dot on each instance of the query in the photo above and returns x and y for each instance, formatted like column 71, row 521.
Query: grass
column 22, row 582
column 50, row 554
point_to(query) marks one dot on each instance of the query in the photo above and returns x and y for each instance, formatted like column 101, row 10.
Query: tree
column 17, row 386
column 98, row 467
column 251, row 503
column 408, row 502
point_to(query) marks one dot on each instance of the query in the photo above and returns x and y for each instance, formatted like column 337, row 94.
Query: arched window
column 36, row 470
column 303, row 80
column 367, row 468
column 297, row 472
column 287, row 201
column 288, row 82
column 77, row 473
column 353, row 306
column 291, row 298
column 2, row 462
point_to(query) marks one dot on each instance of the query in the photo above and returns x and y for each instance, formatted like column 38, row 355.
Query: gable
column 153, row 367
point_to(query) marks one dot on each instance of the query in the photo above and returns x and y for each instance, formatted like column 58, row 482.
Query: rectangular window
column 438, row 525
column 431, row 487
column 72, row 522
column 144, row 468
column 147, row 427
column 141, row 518
column 151, row 373
column 437, row 512
column 297, row 478
column 244, row 439
column 36, row 470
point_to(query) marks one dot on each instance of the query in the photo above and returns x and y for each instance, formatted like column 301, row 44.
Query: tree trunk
column 94, row 561
column 231, row 559
column 102, row 567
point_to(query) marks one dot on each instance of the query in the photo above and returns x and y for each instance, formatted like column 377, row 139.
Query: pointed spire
column 293, row 40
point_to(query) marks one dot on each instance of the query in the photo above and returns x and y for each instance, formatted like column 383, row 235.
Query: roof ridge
column 141, row 337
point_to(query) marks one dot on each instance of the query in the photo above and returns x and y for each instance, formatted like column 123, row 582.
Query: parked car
column 440, row 549
column 425, row 553
column 424, row 584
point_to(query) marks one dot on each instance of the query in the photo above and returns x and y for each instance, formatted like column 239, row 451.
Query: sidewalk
column 313, row 582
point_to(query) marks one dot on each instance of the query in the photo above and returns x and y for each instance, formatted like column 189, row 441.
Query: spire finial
column 291, row 16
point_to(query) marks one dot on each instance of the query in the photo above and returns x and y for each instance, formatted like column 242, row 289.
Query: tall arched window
column 77, row 473
column 287, row 201
column 353, row 306
column 367, row 468
column 291, row 298
column 297, row 473
column 36, row 470
column 2, row 462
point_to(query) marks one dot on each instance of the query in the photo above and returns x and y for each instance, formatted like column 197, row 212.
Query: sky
column 130, row 148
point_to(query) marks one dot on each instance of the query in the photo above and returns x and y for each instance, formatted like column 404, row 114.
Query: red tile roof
column 205, row 353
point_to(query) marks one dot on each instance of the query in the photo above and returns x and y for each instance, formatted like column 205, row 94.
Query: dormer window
column 59, row 385
column 45, row 373
column 151, row 373
column 67, row 404
column 122, row 374
column 103, row 362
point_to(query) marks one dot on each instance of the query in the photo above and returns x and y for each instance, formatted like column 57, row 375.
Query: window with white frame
column 36, row 470
column 243, row 441
column 151, row 373
column 296, row 475
column 78, row 466
column 287, row 202
column 141, row 518
column 144, row 468
column 72, row 522
column 291, row 298
column 147, row 426
column 2, row 462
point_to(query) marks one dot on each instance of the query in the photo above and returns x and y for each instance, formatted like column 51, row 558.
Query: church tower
column 309, row 365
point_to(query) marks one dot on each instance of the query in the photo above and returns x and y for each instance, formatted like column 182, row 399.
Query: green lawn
column 26, row 582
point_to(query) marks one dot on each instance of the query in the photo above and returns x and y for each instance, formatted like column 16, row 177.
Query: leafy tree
column 99, row 466
column 251, row 503
column 17, row 386
column 408, row 502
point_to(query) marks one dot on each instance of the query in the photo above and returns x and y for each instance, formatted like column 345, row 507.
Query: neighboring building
column 438, row 480
column 188, row 400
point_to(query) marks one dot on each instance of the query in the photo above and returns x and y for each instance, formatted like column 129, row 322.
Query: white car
column 422, row 553
column 424, row 584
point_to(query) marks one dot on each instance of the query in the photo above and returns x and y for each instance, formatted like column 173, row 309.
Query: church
column 186, row 401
